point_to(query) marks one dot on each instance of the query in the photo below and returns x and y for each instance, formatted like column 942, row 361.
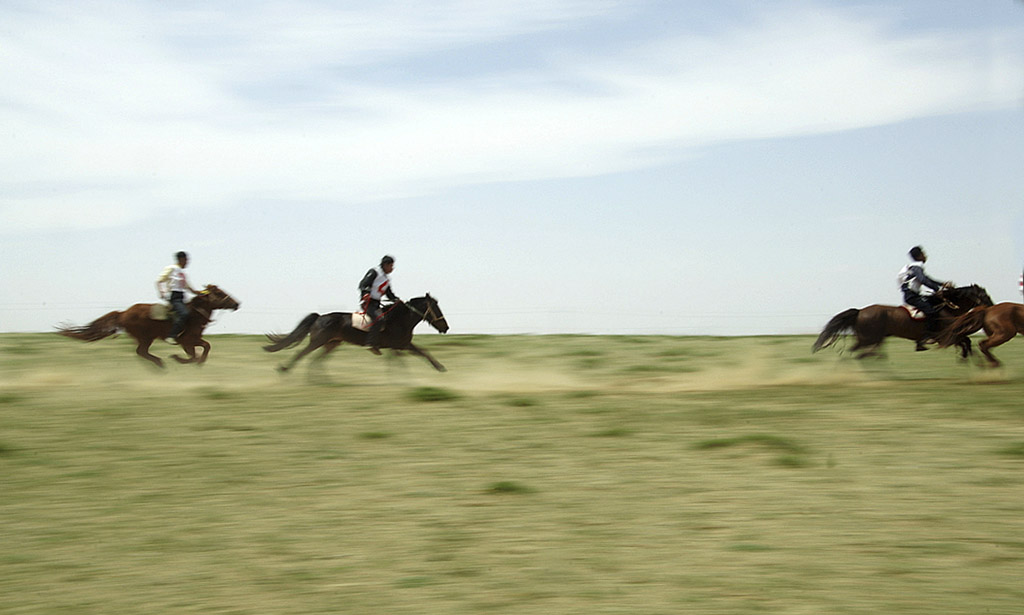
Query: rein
column 429, row 315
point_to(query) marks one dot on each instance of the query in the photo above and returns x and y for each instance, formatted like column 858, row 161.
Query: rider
column 376, row 285
column 911, row 278
column 171, row 285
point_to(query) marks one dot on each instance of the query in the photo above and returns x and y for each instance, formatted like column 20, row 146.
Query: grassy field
column 553, row 474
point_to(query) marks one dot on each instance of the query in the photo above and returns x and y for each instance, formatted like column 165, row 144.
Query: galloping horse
column 137, row 322
column 872, row 324
column 330, row 330
column 1001, row 322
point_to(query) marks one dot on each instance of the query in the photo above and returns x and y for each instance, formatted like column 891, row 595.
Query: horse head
column 976, row 295
column 216, row 299
column 966, row 297
column 430, row 311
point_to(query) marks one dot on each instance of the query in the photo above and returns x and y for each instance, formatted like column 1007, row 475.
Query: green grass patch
column 522, row 402
column 10, row 398
column 1014, row 450
column 431, row 394
column 615, row 432
column 508, row 487
column 765, row 440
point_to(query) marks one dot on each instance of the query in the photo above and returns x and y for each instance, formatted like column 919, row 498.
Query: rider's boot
column 373, row 339
column 176, row 331
column 931, row 331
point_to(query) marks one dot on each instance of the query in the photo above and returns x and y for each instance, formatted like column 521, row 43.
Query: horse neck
column 412, row 310
column 963, row 299
column 201, row 308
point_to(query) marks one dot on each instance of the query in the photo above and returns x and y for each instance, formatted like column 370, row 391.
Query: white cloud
column 110, row 100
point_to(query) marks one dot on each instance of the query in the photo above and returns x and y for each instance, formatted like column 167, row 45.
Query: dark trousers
column 374, row 312
column 180, row 312
column 931, row 321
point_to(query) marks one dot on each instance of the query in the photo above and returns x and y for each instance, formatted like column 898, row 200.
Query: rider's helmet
column 387, row 260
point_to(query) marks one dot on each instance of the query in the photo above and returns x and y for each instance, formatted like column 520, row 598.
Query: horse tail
column 280, row 342
column 103, row 327
column 840, row 324
column 963, row 326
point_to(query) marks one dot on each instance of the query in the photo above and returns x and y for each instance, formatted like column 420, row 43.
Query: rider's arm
column 367, row 281
column 926, row 281
column 161, row 282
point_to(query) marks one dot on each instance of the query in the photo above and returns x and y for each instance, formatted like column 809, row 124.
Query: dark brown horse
column 328, row 331
column 1001, row 322
column 872, row 324
column 137, row 322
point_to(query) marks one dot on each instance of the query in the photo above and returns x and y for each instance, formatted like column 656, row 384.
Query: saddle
column 915, row 314
column 361, row 321
column 160, row 311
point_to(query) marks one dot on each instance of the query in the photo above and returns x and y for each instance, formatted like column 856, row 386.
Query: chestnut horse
column 328, row 331
column 137, row 322
column 872, row 324
column 1002, row 322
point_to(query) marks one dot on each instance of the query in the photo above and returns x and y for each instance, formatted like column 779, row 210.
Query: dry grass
column 539, row 475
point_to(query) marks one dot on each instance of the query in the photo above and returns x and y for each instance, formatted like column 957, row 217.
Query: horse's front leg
column 188, row 343
column 189, row 349
column 206, row 350
column 964, row 345
column 426, row 355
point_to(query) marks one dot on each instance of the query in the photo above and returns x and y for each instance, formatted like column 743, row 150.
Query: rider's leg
column 931, row 317
column 180, row 314
column 373, row 335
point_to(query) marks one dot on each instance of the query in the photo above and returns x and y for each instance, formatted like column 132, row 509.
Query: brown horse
column 1001, row 322
column 328, row 331
column 137, row 322
column 872, row 324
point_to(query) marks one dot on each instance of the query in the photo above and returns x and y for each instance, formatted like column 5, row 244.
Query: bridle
column 207, row 312
column 428, row 315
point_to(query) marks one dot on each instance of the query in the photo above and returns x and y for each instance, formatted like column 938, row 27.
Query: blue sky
column 541, row 166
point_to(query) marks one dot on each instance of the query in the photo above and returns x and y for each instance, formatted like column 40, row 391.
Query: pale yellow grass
column 554, row 475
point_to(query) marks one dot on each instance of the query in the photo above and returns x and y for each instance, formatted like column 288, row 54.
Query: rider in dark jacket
column 911, row 278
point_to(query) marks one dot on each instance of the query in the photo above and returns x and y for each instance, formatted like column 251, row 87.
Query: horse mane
column 973, row 293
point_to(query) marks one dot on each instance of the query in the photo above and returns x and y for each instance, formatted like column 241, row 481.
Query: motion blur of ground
column 543, row 474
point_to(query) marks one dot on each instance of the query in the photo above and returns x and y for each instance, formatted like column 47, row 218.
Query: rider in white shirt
column 376, row 285
column 171, row 285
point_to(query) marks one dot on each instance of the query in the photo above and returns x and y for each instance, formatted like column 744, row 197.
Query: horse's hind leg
column 317, row 371
column 328, row 347
column 314, row 343
column 997, row 338
column 143, row 351
column 869, row 347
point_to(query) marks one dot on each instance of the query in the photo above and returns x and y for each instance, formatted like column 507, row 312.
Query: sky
column 710, row 167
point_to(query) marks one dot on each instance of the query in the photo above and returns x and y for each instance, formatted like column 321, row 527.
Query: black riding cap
column 387, row 260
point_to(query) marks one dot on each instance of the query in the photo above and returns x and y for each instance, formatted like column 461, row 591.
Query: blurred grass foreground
column 548, row 474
